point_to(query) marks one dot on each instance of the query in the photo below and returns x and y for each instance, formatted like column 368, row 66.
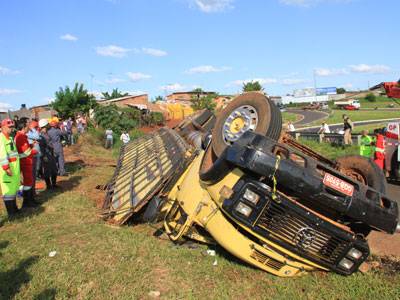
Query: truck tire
column 365, row 170
column 250, row 111
column 209, row 125
column 202, row 116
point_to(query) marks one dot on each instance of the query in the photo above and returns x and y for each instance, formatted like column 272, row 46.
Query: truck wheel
column 249, row 111
column 202, row 116
column 395, row 166
column 364, row 169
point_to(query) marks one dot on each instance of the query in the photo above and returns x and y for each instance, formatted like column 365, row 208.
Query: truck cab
column 354, row 104
column 323, row 105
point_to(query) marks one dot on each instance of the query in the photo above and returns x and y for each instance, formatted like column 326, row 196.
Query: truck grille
column 285, row 225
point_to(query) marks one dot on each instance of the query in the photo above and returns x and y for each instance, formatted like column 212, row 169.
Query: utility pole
column 315, row 86
column 91, row 82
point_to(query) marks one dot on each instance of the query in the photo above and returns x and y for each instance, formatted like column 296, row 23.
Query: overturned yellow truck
column 267, row 199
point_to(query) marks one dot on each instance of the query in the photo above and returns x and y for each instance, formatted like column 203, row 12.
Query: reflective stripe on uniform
column 26, row 188
column 9, row 197
column 13, row 154
column 380, row 150
column 26, row 153
column 4, row 161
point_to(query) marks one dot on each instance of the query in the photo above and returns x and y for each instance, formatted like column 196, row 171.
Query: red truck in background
column 318, row 105
column 309, row 107
column 392, row 89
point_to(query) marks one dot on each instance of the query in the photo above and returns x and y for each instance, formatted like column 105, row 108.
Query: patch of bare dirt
column 170, row 124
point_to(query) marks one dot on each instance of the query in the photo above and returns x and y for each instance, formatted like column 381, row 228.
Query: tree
column 158, row 98
column 341, row 90
column 370, row 97
column 115, row 94
column 252, row 86
column 197, row 90
column 116, row 118
column 68, row 101
column 204, row 102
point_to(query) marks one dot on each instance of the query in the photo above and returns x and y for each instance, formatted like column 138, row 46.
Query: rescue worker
column 366, row 148
column 379, row 155
column 55, row 135
column 10, row 168
column 348, row 126
column 48, row 159
column 26, row 155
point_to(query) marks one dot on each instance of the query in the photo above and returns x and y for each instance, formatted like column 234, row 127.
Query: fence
column 334, row 137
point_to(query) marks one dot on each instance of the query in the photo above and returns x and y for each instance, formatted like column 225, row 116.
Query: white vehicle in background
column 392, row 149
column 347, row 104
column 323, row 105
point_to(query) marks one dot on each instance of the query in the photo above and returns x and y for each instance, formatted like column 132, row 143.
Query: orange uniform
column 26, row 155
column 379, row 155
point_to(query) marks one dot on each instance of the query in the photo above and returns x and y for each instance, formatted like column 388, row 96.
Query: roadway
column 310, row 116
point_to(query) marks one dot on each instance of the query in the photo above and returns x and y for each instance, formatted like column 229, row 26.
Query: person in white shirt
column 324, row 129
column 125, row 138
column 290, row 127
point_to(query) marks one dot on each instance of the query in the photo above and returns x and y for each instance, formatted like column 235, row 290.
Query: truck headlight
column 251, row 196
column 346, row 263
column 243, row 209
column 354, row 253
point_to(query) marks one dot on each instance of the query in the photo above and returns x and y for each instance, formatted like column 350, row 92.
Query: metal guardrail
column 334, row 137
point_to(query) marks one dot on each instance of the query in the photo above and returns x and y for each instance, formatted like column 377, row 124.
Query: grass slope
column 95, row 260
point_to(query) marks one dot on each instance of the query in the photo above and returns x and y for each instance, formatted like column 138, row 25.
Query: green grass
column 97, row 261
column 358, row 115
column 331, row 150
column 381, row 102
column 287, row 117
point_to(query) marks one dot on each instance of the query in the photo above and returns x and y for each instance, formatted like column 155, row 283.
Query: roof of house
column 120, row 98
column 194, row 93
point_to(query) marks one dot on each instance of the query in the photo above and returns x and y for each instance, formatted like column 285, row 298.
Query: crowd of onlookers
column 34, row 149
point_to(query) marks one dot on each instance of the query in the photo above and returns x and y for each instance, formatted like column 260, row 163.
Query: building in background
column 127, row 100
column 312, row 95
column 185, row 97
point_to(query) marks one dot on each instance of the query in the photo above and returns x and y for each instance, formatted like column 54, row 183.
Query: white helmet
column 43, row 122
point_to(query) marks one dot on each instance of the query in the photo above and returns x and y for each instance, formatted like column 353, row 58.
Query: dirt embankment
column 170, row 124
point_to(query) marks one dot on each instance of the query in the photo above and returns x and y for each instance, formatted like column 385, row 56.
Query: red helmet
column 53, row 123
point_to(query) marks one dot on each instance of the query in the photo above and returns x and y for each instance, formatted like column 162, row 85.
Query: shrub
column 116, row 118
column 153, row 118
column 370, row 97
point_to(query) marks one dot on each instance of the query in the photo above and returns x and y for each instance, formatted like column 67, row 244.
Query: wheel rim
column 356, row 175
column 242, row 119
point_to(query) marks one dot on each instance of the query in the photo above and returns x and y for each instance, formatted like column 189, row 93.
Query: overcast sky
column 157, row 47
